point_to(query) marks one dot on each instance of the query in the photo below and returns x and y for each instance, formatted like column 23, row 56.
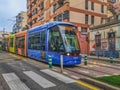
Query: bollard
column 85, row 60
column 111, row 59
column 61, row 63
column 50, row 61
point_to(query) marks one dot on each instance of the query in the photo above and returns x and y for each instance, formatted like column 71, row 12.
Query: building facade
column 117, row 7
column 82, row 13
column 105, row 38
column 21, row 22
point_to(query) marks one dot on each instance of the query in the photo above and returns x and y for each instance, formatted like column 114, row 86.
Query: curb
column 99, row 84
column 103, row 59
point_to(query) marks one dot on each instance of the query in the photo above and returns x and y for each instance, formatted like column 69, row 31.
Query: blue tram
column 54, row 39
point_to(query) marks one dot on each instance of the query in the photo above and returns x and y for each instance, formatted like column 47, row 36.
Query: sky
column 8, row 10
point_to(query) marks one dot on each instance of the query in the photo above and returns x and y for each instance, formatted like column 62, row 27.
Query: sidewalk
column 102, row 58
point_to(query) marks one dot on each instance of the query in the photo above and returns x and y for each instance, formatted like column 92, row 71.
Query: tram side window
column 55, row 40
column 11, row 42
column 34, row 41
column 20, row 42
column 42, row 43
column 17, row 43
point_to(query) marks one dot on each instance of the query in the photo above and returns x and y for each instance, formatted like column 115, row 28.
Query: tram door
column 111, row 40
column 98, row 44
column 42, row 45
column 98, row 41
column 23, row 46
column 20, row 45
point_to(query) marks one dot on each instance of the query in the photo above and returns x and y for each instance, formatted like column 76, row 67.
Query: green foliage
column 112, row 80
column 0, row 48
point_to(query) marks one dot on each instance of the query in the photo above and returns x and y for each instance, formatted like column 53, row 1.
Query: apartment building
column 105, row 38
column 21, row 22
column 82, row 13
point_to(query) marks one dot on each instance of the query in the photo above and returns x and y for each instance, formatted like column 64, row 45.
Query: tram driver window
column 55, row 40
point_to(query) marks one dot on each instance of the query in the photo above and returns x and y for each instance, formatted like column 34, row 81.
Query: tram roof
column 47, row 25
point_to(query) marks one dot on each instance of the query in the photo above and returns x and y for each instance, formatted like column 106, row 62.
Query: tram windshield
column 69, row 38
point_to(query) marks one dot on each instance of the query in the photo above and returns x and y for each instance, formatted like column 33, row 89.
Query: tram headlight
column 68, row 54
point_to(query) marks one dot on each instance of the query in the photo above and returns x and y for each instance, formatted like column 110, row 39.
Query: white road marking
column 105, row 75
column 58, row 76
column 39, row 79
column 14, row 82
column 116, row 74
column 102, row 75
column 75, row 77
column 84, row 71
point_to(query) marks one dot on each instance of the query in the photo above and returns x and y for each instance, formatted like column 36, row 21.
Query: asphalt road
column 17, row 74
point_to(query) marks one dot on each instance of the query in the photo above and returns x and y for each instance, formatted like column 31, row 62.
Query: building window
column 86, row 18
column 34, row 1
column 92, row 6
column 83, row 30
column 66, row 15
column 60, row 3
column 60, row 17
column 41, row 16
column 30, row 15
column 41, row 6
column 34, row 11
column 86, row 4
column 28, row 8
column 30, row 23
column 92, row 20
column 102, row 8
column 54, row 8
column 34, row 20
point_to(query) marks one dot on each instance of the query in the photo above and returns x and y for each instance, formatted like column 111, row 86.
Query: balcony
column 112, row 19
column 108, row 21
column 111, row 8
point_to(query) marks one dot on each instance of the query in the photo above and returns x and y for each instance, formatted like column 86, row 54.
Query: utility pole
column 3, row 30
